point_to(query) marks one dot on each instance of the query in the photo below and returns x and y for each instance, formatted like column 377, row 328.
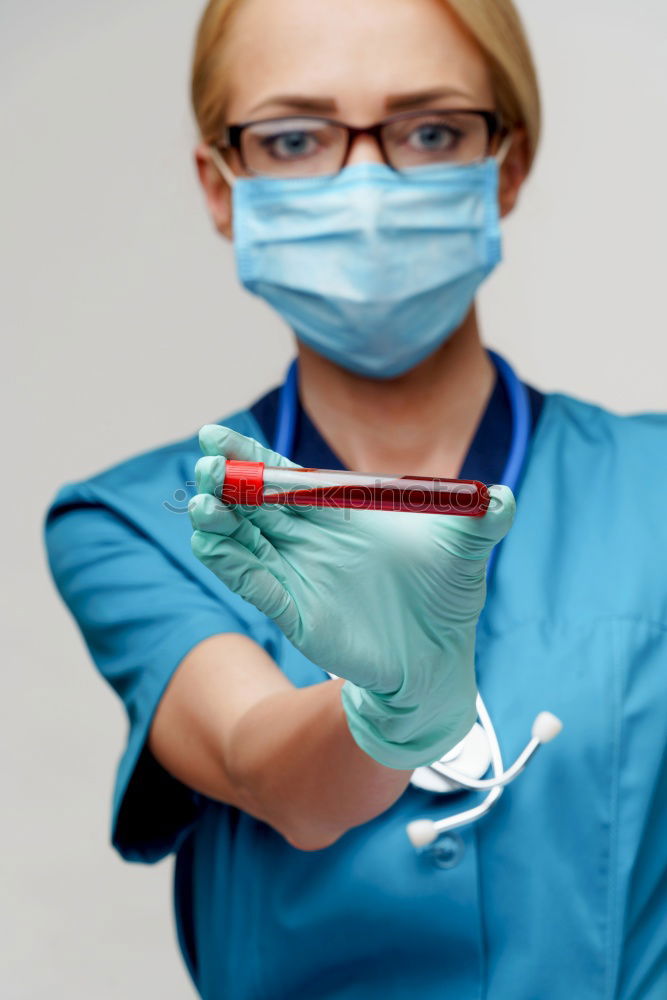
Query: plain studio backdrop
column 125, row 329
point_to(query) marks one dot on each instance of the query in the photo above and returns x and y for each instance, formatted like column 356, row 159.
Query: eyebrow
column 303, row 102
column 410, row 100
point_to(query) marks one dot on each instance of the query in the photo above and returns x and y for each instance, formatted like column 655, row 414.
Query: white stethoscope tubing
column 545, row 728
column 424, row 831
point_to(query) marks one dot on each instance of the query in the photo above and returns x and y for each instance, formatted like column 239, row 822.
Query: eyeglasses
column 307, row 146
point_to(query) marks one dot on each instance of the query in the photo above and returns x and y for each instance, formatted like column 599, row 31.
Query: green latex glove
column 389, row 601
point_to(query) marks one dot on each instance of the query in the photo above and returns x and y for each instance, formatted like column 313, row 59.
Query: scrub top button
column 448, row 851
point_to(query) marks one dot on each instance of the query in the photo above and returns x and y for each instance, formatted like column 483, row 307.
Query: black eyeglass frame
column 232, row 134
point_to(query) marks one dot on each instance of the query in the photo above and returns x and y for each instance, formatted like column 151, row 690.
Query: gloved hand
column 389, row 601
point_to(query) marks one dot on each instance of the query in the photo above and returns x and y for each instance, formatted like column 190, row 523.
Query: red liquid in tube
column 251, row 483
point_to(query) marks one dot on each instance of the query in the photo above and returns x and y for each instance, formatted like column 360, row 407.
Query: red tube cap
column 244, row 483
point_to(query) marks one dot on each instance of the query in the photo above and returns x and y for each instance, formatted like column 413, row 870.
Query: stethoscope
column 464, row 767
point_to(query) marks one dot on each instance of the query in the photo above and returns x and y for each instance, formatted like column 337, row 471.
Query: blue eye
column 290, row 145
column 432, row 137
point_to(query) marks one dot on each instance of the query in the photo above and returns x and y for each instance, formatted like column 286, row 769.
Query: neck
column 422, row 422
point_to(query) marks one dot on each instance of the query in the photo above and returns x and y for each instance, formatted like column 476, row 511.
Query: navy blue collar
column 486, row 456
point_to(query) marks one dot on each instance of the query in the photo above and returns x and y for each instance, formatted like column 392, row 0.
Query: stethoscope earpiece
column 546, row 727
column 422, row 832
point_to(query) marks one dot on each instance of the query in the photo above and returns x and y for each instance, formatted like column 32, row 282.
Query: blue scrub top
column 562, row 890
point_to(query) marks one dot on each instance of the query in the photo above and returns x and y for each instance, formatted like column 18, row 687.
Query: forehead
column 355, row 51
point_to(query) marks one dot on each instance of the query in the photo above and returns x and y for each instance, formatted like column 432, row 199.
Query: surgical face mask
column 372, row 268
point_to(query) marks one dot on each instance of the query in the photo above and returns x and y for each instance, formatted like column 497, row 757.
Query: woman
column 283, row 791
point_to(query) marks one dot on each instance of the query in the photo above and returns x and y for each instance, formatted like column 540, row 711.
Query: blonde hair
column 494, row 24
column 497, row 28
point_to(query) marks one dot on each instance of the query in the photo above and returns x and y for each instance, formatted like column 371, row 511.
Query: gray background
column 125, row 329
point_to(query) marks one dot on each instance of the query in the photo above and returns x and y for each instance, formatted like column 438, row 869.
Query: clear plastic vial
column 254, row 484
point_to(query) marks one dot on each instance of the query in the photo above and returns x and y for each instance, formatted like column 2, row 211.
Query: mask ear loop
column 223, row 167
column 504, row 148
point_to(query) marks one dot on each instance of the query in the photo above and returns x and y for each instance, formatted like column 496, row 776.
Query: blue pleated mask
column 372, row 268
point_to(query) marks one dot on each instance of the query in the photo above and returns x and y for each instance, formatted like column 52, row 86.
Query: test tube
column 256, row 484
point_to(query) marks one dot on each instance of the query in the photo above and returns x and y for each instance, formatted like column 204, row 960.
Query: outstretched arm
column 233, row 727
